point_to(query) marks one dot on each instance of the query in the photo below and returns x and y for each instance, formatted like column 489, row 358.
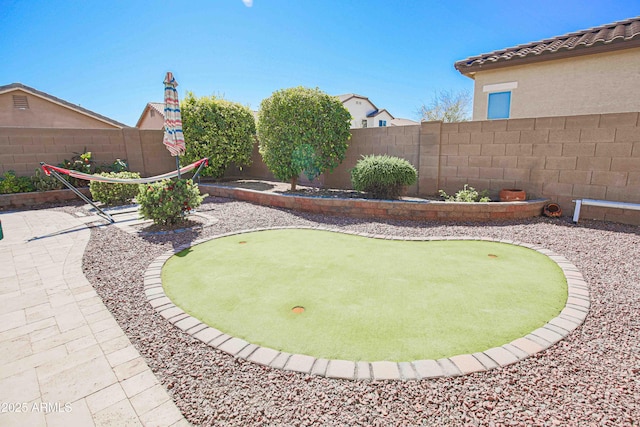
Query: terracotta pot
column 512, row 195
column 552, row 210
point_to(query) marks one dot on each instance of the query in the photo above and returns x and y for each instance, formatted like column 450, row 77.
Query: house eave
column 64, row 104
column 470, row 70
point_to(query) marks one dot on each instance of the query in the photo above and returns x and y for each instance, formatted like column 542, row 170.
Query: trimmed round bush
column 302, row 130
column 114, row 193
column 221, row 130
column 384, row 177
column 166, row 202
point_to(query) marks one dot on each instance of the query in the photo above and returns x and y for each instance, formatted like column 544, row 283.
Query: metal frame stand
column 102, row 213
column 197, row 172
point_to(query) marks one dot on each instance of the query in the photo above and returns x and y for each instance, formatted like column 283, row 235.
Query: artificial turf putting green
column 363, row 298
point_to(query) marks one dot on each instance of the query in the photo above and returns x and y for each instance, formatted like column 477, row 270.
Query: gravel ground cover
column 591, row 378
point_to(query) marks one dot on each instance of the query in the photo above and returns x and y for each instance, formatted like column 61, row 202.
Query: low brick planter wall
column 21, row 200
column 385, row 209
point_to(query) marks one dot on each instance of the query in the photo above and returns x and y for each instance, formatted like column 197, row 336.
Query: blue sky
column 111, row 56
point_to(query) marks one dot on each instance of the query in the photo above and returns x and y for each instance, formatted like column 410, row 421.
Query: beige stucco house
column 152, row 117
column 364, row 114
column 592, row 71
column 24, row 106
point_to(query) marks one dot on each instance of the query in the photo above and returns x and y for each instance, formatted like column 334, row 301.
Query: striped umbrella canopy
column 173, row 136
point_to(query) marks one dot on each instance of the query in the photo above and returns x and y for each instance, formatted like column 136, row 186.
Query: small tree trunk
column 294, row 181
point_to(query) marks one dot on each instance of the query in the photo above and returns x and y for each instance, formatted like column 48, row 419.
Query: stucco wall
column 590, row 84
column 359, row 108
column 384, row 115
column 151, row 120
column 44, row 114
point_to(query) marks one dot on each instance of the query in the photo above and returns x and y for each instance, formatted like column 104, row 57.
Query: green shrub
column 221, row 130
column 80, row 162
column 383, row 176
column 10, row 183
column 42, row 182
column 118, row 165
column 166, row 202
column 467, row 194
column 114, row 193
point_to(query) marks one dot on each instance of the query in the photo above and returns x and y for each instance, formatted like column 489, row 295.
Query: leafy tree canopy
column 302, row 130
column 221, row 130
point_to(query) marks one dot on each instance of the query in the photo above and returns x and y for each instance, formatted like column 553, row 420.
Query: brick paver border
column 572, row 316
column 385, row 209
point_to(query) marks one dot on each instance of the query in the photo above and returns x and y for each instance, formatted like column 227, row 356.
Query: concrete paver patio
column 63, row 358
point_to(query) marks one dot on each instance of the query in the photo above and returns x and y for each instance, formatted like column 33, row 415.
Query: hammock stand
column 55, row 171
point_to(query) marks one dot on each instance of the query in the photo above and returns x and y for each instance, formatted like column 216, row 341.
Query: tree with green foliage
column 302, row 130
column 221, row 130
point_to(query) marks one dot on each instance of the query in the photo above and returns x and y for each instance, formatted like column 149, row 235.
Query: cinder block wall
column 22, row 149
column 398, row 141
column 559, row 158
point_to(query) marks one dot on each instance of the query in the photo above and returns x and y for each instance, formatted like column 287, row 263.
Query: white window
column 382, row 123
column 364, row 123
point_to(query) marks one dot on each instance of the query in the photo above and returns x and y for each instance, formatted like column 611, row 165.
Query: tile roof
column 158, row 107
column 82, row 110
column 605, row 38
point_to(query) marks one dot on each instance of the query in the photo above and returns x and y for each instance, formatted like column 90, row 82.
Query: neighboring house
column 152, row 117
column 364, row 113
column 592, row 71
column 24, row 106
column 403, row 122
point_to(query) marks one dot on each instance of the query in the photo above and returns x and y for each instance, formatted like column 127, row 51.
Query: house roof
column 378, row 112
column 403, row 122
column 347, row 96
column 158, row 107
column 19, row 86
column 605, row 38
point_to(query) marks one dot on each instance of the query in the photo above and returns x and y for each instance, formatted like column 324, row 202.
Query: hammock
column 55, row 171
column 88, row 177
